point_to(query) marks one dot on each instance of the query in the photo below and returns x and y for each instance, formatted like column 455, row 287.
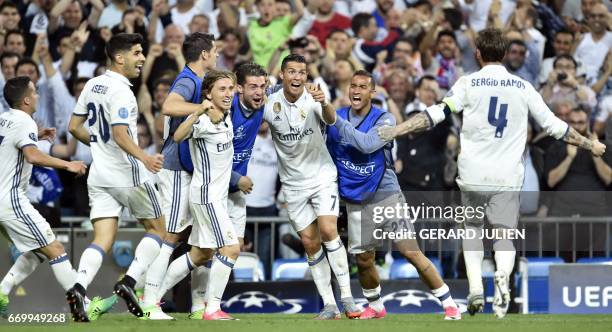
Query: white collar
column 118, row 76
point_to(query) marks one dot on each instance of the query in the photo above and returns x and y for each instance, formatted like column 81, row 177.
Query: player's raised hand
column 316, row 93
column 387, row 133
column 47, row 134
column 154, row 163
column 78, row 167
column 245, row 184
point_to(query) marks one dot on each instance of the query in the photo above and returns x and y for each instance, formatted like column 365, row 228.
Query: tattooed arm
column 574, row 138
column 415, row 124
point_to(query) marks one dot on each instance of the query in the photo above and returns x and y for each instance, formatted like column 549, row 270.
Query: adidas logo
column 277, row 118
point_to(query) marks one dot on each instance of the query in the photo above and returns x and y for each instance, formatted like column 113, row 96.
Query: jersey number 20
column 498, row 121
column 98, row 114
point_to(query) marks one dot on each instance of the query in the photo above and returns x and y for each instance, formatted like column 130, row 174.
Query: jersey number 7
column 95, row 115
column 499, row 122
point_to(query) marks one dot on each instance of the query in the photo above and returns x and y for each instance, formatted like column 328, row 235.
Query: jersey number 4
column 498, row 121
column 94, row 116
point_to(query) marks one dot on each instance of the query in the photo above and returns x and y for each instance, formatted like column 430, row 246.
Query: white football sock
column 336, row 254
column 321, row 274
column 199, row 282
column 374, row 299
column 24, row 265
column 473, row 267
column 155, row 274
column 504, row 256
column 140, row 282
column 443, row 294
column 146, row 251
column 178, row 269
column 63, row 271
column 220, row 272
column 90, row 263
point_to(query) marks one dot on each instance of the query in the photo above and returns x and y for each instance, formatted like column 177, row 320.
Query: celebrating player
column 247, row 115
column 212, row 153
column 25, row 227
column 309, row 180
column 117, row 179
column 495, row 105
column 184, row 99
column 366, row 178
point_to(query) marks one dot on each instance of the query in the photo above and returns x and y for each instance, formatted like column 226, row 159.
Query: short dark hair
column 425, row 78
column 365, row 73
column 516, row 42
column 491, row 44
column 292, row 58
column 213, row 76
column 15, row 90
column 160, row 81
column 359, row 21
column 336, row 30
column 27, row 61
column 231, row 32
column 447, row 33
column 565, row 31
column 454, row 17
column 122, row 42
column 9, row 54
column 8, row 4
column 249, row 69
column 195, row 44
column 13, row 32
column 566, row 57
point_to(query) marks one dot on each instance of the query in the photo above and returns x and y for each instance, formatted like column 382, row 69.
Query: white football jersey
column 17, row 130
column 495, row 106
column 108, row 101
column 212, row 153
column 297, row 132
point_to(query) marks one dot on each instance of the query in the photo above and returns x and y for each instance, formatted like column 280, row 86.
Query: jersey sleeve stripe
column 79, row 114
column 120, row 124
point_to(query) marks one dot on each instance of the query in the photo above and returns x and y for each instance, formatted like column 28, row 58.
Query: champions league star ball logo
column 414, row 300
column 239, row 132
column 260, row 302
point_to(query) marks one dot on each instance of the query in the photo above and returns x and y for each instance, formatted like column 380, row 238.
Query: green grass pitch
column 304, row 322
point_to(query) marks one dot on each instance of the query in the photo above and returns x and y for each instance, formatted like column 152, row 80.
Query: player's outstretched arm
column 186, row 128
column 77, row 130
column 416, row 124
column 176, row 106
column 36, row 157
column 329, row 113
column 122, row 137
column 595, row 146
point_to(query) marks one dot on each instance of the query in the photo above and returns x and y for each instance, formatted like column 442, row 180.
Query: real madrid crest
column 277, row 107
column 303, row 113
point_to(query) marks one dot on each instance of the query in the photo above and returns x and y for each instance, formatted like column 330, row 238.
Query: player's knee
column 200, row 256
column 104, row 241
column 311, row 244
column 329, row 231
column 156, row 226
column 231, row 252
column 172, row 238
column 53, row 250
column 365, row 260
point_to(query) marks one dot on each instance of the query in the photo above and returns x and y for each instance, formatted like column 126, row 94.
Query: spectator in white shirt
column 594, row 46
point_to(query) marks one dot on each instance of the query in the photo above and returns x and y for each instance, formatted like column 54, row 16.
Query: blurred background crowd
column 415, row 49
